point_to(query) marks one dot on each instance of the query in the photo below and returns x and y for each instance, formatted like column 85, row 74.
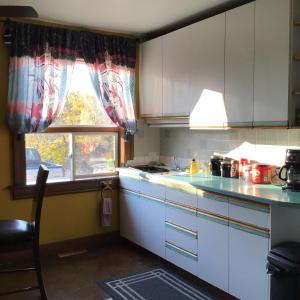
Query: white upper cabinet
column 239, row 65
column 151, row 78
column 272, row 52
column 176, row 73
column 206, row 52
column 228, row 70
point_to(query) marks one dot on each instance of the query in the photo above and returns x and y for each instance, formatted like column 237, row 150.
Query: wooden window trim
column 20, row 190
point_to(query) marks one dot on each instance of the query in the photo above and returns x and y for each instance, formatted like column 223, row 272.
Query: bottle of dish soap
column 194, row 167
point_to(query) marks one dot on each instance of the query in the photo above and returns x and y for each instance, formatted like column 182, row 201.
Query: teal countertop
column 264, row 193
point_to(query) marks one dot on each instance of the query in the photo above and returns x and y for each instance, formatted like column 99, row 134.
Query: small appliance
column 292, row 170
column 215, row 165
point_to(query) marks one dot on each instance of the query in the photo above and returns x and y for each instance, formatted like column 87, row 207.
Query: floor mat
column 154, row 284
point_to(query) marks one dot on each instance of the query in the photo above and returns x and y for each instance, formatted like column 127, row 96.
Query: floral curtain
column 112, row 70
column 41, row 64
column 40, row 69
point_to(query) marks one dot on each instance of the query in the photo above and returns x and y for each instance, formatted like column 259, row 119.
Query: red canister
column 261, row 174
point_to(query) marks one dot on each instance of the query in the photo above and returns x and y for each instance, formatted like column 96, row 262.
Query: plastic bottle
column 194, row 167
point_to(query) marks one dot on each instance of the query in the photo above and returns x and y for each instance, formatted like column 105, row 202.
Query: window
column 82, row 145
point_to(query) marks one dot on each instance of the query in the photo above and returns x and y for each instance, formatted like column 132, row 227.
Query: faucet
column 175, row 163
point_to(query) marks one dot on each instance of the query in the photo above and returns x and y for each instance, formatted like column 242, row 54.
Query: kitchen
column 222, row 89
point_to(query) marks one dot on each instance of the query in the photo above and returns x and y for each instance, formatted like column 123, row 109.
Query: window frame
column 19, row 188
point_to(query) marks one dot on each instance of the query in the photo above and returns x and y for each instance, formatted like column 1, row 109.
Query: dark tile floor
column 75, row 277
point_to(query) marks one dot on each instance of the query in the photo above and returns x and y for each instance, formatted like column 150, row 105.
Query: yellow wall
column 64, row 217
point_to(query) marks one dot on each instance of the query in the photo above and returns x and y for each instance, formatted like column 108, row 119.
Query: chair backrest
column 38, row 199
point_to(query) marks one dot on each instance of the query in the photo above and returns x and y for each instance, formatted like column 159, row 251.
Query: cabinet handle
column 264, row 232
column 181, row 251
column 182, row 229
column 186, row 208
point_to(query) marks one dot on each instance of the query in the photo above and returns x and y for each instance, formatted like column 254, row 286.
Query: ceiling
column 127, row 16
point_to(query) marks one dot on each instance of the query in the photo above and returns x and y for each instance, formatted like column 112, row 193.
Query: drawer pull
column 212, row 217
column 182, row 229
column 186, row 208
column 181, row 251
column 264, row 232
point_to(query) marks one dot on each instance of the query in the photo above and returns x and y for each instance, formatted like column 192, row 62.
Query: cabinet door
column 151, row 78
column 248, row 279
column 152, row 225
column 176, row 73
column 130, row 216
column 239, row 65
column 213, row 251
column 271, row 75
column 207, row 72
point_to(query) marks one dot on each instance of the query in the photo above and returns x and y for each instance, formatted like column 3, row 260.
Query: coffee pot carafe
column 291, row 176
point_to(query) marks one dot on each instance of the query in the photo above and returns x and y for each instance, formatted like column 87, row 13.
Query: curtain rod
column 70, row 27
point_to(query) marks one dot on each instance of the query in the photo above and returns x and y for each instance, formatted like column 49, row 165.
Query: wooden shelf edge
column 296, row 93
column 297, row 23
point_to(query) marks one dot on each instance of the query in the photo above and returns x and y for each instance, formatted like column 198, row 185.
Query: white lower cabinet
column 182, row 258
column 130, row 216
column 152, row 225
column 248, row 279
column 224, row 242
column 181, row 236
column 213, row 252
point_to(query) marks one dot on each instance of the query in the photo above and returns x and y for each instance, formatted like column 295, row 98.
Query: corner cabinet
column 130, row 216
column 151, row 78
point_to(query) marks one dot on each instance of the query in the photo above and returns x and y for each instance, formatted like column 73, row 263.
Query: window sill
column 66, row 187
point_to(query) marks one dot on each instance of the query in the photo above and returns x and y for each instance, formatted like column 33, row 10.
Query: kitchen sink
column 151, row 169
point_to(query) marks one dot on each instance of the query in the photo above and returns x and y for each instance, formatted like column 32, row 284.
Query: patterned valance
column 32, row 40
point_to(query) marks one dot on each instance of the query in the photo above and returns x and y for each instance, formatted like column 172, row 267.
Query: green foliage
column 82, row 110
column 78, row 110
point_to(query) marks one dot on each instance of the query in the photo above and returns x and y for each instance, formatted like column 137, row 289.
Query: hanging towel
column 106, row 211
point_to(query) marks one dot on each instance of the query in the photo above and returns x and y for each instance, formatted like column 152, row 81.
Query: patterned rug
column 154, row 284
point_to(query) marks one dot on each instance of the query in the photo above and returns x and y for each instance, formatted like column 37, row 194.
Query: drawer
column 213, row 203
column 130, row 183
column 182, row 258
column 250, row 216
column 182, row 237
column 152, row 189
column 181, row 196
column 185, row 217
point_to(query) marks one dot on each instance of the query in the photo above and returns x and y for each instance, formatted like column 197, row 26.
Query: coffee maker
column 292, row 170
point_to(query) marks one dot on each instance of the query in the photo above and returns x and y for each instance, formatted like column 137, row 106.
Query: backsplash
column 146, row 144
column 263, row 145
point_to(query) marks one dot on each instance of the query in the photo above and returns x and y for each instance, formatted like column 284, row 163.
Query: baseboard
column 89, row 243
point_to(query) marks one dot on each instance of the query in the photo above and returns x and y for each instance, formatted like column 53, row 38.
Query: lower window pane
column 52, row 150
column 94, row 154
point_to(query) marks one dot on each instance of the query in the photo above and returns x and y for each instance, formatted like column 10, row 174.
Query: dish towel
column 106, row 211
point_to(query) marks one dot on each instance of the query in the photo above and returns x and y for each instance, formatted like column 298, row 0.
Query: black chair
column 18, row 234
